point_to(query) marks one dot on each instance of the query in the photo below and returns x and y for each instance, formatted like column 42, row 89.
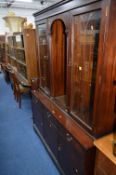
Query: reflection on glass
column 86, row 39
column 44, row 61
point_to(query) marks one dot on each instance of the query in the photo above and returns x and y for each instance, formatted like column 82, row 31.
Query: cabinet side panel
column 30, row 53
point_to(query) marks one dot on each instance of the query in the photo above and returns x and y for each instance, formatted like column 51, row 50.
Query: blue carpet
column 21, row 150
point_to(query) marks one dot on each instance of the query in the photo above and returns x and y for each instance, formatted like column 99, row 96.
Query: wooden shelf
column 20, row 62
column 13, row 58
column 15, row 47
column 19, row 48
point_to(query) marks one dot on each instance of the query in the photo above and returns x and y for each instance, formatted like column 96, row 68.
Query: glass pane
column 44, row 60
column 18, row 41
column 85, row 54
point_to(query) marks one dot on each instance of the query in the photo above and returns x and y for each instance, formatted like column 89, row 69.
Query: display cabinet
column 22, row 54
column 80, row 70
column 77, row 65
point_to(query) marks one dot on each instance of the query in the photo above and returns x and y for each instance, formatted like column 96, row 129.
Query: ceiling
column 25, row 4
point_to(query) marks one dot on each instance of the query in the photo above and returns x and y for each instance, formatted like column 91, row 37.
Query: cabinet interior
column 85, row 57
column 59, row 61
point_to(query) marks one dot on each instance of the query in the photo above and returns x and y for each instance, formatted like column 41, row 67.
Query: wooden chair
column 18, row 88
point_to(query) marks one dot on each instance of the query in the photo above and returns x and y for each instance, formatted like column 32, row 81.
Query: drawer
column 58, row 114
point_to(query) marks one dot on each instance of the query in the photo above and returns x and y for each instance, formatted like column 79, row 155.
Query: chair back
column 14, row 81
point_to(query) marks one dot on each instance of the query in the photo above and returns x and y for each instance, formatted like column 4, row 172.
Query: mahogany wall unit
column 22, row 54
column 77, row 71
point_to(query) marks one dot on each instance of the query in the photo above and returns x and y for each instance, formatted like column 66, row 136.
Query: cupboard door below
column 71, row 158
column 50, row 132
column 37, row 114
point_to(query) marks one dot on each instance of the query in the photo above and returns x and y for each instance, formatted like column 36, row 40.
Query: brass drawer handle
column 69, row 137
column 60, row 116
column 53, row 112
column 49, row 115
column 67, row 134
column 76, row 170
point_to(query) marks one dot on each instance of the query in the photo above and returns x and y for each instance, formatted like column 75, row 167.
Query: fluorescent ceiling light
column 24, row 0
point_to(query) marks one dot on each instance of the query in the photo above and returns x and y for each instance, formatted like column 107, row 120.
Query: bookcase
column 77, row 74
column 2, row 49
column 22, row 54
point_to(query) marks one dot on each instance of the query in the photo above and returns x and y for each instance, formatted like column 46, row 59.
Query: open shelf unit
column 22, row 54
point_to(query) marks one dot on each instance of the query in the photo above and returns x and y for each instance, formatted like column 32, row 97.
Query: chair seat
column 23, row 89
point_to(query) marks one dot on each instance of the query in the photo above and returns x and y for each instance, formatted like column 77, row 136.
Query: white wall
column 19, row 12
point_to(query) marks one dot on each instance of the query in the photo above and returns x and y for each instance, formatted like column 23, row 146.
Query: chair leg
column 17, row 97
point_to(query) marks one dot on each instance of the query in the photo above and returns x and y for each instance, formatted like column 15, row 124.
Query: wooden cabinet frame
column 103, row 115
column 105, row 6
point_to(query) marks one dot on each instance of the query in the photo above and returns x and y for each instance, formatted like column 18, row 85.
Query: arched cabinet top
column 63, row 25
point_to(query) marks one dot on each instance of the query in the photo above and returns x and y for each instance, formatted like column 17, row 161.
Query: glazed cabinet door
column 86, row 28
column 43, row 58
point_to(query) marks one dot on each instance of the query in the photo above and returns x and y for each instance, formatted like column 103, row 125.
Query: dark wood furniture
column 105, row 160
column 18, row 88
column 22, row 54
column 70, row 147
column 77, row 68
column 2, row 49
